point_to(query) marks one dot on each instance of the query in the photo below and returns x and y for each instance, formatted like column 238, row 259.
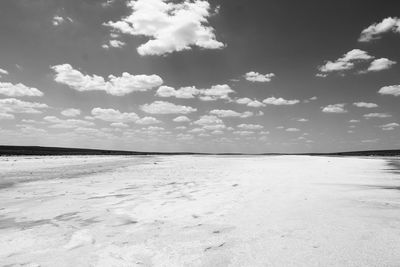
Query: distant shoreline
column 63, row 151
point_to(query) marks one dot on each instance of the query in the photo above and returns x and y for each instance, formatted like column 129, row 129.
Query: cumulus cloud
column 335, row 108
column 346, row 62
column 302, row 120
column 375, row 30
column 389, row 126
column 112, row 115
column 148, row 120
column 68, row 123
column 381, row 64
column 12, row 105
column 18, row 90
column 119, row 125
column 249, row 102
column 377, row 115
column 170, row 26
column 280, row 101
column 390, row 90
column 292, row 130
column 71, row 112
column 253, row 76
column 219, row 91
column 208, row 120
column 230, row 113
column 58, row 20
column 250, row 126
column 114, row 43
column 181, row 119
column 118, row 86
column 3, row 72
column 163, row 107
column 243, row 133
column 365, row 105
column 6, row 116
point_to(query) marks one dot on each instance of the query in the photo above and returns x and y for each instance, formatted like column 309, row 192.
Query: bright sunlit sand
column 199, row 211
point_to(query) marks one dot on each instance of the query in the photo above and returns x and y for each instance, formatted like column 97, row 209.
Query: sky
column 201, row 76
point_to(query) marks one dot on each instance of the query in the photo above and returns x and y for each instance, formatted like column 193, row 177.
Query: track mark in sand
column 219, row 246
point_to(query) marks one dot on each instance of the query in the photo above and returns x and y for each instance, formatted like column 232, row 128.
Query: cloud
column 162, row 107
column 118, row 86
column 381, row 64
column 354, row 121
column 375, row 30
column 302, row 120
column 147, row 120
column 3, row 72
column 292, row 130
column 183, row 92
column 18, row 90
column 346, row 62
column 335, row 108
column 390, row 90
column 377, row 115
column 66, row 124
column 181, row 119
column 170, row 26
column 219, row 91
column 250, row 126
column 112, row 115
column 249, row 102
column 280, row 101
column 230, row 113
column 114, row 43
column 208, row 120
column 389, row 126
column 12, row 105
column 6, row 116
column 243, row 133
column 71, row 112
column 257, row 77
column 58, row 20
column 119, row 125
column 365, row 105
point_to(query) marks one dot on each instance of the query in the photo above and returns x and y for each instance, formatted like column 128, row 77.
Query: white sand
column 198, row 211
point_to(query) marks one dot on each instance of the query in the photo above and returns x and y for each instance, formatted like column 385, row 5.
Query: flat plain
column 199, row 211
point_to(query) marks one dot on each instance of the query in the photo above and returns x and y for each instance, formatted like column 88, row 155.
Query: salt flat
column 199, row 211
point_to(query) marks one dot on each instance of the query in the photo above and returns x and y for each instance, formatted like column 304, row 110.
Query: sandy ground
column 199, row 211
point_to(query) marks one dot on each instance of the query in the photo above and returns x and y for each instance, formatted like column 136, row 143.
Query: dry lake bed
column 199, row 211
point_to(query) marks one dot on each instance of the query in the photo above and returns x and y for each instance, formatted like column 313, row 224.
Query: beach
column 199, row 211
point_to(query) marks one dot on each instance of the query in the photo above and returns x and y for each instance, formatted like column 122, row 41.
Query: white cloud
column 119, row 125
column 389, row 126
column 17, row 90
column 249, row 102
column 58, row 20
column 183, row 92
column 148, row 120
column 302, row 120
column 181, row 119
column 170, row 26
column 375, row 30
column 3, row 72
column 162, row 107
column 335, row 108
column 279, row 101
column 118, row 86
column 219, row 91
column 390, row 90
column 346, row 62
column 377, row 115
column 381, row 64
column 365, row 105
column 6, row 116
column 253, row 76
column 354, row 121
column 71, row 112
column 208, row 120
column 112, row 115
column 66, row 124
column 243, row 133
column 230, row 113
column 250, row 126
column 292, row 130
column 12, row 105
